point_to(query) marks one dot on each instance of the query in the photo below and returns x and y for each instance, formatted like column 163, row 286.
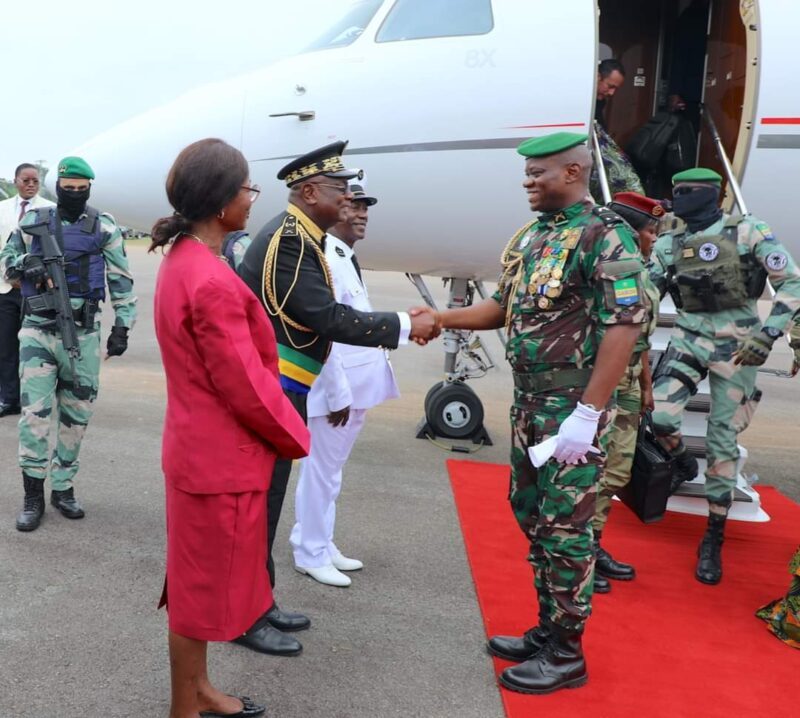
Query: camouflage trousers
column 554, row 506
column 733, row 403
column 47, row 390
column 620, row 173
column 620, row 443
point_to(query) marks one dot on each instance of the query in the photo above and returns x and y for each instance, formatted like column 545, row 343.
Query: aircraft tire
column 454, row 411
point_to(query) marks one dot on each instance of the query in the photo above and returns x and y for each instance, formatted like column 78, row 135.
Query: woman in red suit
column 227, row 420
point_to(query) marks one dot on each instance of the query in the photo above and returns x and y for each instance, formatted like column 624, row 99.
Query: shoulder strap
column 608, row 216
column 90, row 220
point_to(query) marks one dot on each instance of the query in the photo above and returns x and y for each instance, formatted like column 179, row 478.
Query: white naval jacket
column 358, row 377
column 9, row 221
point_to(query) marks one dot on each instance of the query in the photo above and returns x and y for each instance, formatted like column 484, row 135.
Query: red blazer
column 227, row 418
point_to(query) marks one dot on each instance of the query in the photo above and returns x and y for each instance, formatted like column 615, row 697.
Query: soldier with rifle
column 63, row 257
column 715, row 266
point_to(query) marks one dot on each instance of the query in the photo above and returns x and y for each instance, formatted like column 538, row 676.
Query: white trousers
column 318, row 488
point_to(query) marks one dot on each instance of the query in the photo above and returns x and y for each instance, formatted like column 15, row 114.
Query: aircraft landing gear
column 452, row 409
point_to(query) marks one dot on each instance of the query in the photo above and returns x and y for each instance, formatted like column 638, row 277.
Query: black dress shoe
column 10, row 409
column 271, row 641
column 67, row 504
column 607, row 566
column 287, row 621
column 523, row 648
column 249, row 710
column 601, row 583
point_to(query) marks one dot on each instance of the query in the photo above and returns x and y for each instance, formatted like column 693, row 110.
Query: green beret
column 551, row 144
column 697, row 174
column 75, row 168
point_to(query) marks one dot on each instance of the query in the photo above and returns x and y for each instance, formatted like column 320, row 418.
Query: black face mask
column 71, row 204
column 697, row 207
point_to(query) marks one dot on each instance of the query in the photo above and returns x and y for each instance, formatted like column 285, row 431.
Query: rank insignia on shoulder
column 626, row 292
column 559, row 218
column 340, row 251
column 608, row 217
column 571, row 237
column 776, row 261
column 289, row 226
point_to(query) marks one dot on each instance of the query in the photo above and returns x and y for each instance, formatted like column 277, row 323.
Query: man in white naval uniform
column 353, row 380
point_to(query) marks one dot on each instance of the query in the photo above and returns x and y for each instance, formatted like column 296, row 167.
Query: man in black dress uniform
column 285, row 267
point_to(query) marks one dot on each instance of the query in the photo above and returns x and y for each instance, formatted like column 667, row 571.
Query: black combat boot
column 601, row 583
column 558, row 665
column 66, row 503
column 685, row 467
column 512, row 648
column 33, row 509
column 709, row 553
column 605, row 565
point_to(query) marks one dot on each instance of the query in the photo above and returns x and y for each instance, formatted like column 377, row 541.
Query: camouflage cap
column 551, row 144
column 75, row 168
column 697, row 174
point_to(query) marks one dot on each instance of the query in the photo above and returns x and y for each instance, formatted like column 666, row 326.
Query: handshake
column 426, row 324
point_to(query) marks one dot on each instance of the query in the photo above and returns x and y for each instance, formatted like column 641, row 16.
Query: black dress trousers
column 10, row 322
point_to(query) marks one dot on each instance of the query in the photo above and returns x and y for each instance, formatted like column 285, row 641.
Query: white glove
column 576, row 434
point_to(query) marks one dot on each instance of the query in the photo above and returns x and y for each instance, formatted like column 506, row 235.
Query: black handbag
column 648, row 490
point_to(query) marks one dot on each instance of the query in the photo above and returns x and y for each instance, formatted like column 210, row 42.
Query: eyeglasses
column 28, row 181
column 253, row 192
column 340, row 188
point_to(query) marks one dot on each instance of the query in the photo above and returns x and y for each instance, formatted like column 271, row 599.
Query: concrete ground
column 79, row 631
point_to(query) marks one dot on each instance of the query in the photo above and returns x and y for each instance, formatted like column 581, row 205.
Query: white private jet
column 434, row 95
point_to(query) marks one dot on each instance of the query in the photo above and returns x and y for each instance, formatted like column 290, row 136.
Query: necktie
column 23, row 207
column 355, row 264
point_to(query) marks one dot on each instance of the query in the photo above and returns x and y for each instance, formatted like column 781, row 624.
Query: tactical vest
column 81, row 242
column 708, row 274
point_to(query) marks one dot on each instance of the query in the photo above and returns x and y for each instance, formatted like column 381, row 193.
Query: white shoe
column 346, row 564
column 326, row 574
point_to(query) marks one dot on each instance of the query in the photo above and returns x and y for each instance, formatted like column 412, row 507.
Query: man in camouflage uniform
column 633, row 395
column 51, row 381
column 235, row 245
column 620, row 173
column 715, row 267
column 569, row 276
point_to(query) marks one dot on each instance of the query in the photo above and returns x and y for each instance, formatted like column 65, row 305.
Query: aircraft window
column 347, row 30
column 417, row 19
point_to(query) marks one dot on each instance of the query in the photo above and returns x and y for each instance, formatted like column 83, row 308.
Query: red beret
column 652, row 208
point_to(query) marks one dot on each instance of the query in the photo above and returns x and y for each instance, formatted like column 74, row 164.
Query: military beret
column 325, row 161
column 650, row 208
column 360, row 194
column 75, row 168
column 697, row 174
column 551, row 144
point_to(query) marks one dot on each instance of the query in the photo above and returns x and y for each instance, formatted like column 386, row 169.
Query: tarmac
column 80, row 635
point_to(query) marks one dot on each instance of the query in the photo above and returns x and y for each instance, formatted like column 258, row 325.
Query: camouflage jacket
column 566, row 276
column 754, row 237
column 620, row 173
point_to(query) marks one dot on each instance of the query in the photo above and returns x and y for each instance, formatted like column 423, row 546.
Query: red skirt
column 217, row 583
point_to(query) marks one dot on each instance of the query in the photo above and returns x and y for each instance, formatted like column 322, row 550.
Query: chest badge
column 525, row 241
column 571, row 237
column 708, row 252
column 340, row 251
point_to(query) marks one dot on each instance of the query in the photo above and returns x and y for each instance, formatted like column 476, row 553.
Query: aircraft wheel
column 454, row 411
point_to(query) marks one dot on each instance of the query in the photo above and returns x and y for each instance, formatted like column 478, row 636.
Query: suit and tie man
column 353, row 380
column 285, row 266
column 12, row 210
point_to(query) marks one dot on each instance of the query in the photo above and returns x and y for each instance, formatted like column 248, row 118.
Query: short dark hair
column 204, row 178
column 25, row 166
column 606, row 67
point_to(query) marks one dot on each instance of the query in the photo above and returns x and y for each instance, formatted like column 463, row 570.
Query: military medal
column 557, row 272
column 544, row 303
column 554, row 282
column 553, row 292
column 570, row 238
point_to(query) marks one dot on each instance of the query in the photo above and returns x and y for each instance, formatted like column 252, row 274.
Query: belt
column 547, row 380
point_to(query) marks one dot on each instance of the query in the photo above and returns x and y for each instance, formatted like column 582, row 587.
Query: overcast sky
column 74, row 69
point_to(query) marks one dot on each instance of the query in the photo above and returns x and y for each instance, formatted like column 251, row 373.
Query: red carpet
column 664, row 645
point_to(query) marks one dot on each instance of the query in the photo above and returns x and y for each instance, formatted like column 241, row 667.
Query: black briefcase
column 648, row 490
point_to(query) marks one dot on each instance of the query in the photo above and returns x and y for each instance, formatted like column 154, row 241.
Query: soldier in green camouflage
column 569, row 276
column 715, row 267
column 633, row 395
column 53, row 382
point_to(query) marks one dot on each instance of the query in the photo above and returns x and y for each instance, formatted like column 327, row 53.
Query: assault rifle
column 55, row 298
